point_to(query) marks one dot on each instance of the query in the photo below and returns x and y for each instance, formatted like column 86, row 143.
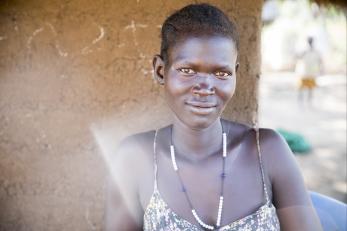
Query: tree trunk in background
column 74, row 74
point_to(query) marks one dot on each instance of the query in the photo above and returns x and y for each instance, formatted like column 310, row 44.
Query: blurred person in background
column 309, row 67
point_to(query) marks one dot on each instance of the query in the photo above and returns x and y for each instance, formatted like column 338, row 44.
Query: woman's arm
column 294, row 207
column 123, row 209
column 118, row 215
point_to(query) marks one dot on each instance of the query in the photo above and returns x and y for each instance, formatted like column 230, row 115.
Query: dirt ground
column 323, row 124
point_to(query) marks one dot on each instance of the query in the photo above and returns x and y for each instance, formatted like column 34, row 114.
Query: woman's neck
column 196, row 145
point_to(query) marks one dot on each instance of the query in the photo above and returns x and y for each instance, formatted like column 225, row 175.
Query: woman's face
column 199, row 78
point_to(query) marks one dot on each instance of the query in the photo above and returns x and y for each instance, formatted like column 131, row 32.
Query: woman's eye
column 188, row 71
column 222, row 74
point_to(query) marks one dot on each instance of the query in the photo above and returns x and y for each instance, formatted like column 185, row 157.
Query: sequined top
column 159, row 217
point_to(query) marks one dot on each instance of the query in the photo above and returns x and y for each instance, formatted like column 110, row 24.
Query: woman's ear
column 237, row 66
column 158, row 69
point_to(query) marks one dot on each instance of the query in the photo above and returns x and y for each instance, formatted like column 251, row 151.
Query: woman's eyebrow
column 224, row 67
column 214, row 66
column 180, row 59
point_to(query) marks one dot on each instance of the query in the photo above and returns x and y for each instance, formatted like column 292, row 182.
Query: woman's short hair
column 196, row 20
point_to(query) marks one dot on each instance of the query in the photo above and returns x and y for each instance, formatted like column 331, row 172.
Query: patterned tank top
column 159, row 217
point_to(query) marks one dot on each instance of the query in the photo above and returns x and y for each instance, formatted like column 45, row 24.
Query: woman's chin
column 200, row 122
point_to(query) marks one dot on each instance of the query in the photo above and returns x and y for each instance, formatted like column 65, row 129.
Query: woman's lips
column 201, row 104
column 201, row 108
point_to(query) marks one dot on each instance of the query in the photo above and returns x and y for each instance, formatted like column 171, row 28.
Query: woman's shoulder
column 135, row 146
column 267, row 135
column 137, row 140
column 133, row 156
column 273, row 142
column 275, row 149
column 268, row 138
column 235, row 127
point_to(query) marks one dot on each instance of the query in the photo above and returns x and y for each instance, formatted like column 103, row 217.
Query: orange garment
column 307, row 82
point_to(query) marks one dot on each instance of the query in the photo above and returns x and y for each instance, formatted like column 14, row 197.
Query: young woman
column 203, row 172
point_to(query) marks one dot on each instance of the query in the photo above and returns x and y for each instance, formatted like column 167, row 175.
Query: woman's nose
column 204, row 85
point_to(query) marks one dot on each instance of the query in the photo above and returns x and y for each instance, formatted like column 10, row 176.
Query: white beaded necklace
column 221, row 198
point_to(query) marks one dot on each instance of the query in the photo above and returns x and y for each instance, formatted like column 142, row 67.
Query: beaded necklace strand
column 184, row 190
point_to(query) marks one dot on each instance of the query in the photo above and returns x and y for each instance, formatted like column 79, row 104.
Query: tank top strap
column 256, row 128
column 155, row 160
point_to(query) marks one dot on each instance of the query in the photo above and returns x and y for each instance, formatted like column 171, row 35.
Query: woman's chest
column 200, row 188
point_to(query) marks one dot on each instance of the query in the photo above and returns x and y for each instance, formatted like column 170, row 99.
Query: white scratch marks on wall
column 52, row 28
column 30, row 39
column 61, row 51
column 142, row 25
column 142, row 63
column 132, row 26
column 101, row 35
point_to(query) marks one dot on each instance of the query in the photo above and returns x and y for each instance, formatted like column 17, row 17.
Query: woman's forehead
column 217, row 48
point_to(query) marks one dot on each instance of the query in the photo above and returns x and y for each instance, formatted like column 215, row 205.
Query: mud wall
column 74, row 72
